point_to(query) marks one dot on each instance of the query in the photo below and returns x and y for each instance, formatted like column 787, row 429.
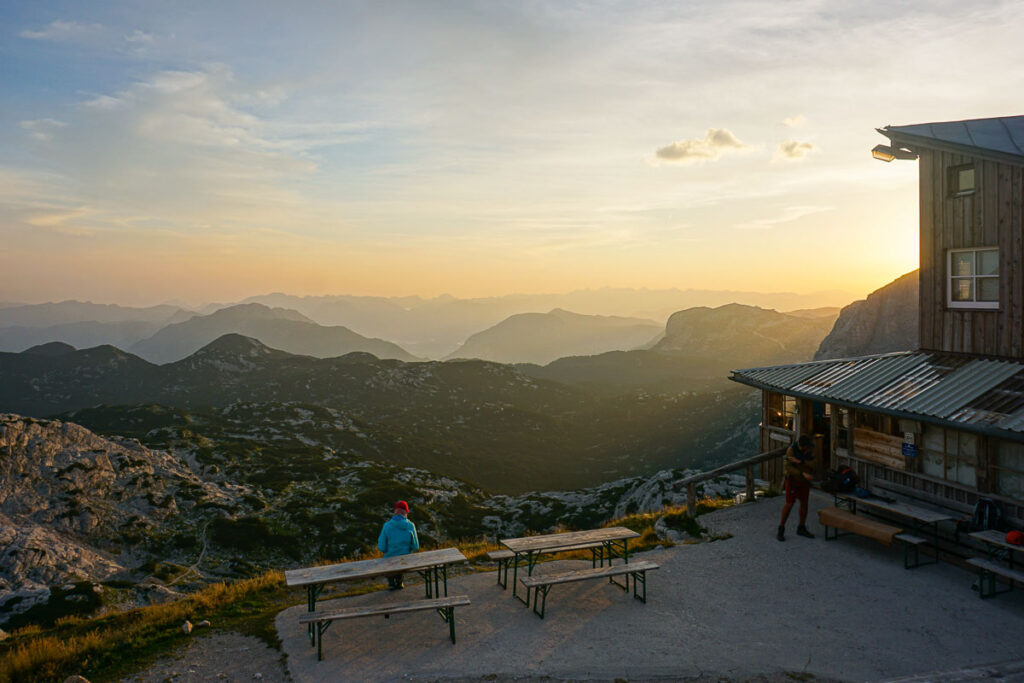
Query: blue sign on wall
column 910, row 450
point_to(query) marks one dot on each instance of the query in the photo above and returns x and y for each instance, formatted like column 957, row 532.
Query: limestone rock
column 186, row 628
column 76, row 679
column 886, row 321
column 68, row 497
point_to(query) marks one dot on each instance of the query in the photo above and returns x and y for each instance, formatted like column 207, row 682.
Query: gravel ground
column 220, row 657
column 746, row 608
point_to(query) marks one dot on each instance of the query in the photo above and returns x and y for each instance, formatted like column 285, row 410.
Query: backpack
column 987, row 515
column 843, row 480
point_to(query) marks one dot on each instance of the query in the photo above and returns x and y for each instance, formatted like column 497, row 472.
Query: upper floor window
column 962, row 180
column 973, row 278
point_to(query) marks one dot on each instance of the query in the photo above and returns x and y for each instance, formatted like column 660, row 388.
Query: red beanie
column 1015, row 537
column 402, row 506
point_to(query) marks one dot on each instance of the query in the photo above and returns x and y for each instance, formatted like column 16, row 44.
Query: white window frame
column 950, row 303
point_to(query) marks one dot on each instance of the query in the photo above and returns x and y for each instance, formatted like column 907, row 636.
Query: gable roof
column 972, row 393
column 999, row 138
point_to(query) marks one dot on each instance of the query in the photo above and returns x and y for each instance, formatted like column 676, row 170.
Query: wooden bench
column 542, row 584
column 444, row 606
column 836, row 519
column 504, row 557
column 987, row 572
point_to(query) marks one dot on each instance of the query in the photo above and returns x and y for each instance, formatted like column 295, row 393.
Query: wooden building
column 943, row 423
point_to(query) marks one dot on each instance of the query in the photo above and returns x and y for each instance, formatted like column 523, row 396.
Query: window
column 781, row 409
column 973, row 278
column 962, row 180
column 1008, row 469
column 950, row 455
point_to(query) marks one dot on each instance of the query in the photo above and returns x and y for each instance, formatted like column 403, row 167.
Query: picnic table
column 998, row 549
column 613, row 541
column 921, row 517
column 432, row 565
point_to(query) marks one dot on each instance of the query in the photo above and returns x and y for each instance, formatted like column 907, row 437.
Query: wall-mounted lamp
column 888, row 153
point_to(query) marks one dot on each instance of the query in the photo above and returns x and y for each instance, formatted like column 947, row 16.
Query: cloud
column 42, row 129
column 715, row 142
column 139, row 38
column 792, row 150
column 60, row 31
column 794, row 121
column 790, row 213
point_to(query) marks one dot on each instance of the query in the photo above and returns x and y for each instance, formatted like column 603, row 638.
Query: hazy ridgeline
column 257, row 457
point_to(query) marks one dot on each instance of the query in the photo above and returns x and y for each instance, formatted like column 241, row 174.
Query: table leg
column 312, row 592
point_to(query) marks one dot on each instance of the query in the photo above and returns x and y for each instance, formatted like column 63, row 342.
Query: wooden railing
column 746, row 464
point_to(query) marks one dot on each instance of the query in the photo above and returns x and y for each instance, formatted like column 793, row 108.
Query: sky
column 205, row 151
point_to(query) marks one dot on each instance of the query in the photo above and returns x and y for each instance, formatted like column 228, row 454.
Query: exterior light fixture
column 888, row 153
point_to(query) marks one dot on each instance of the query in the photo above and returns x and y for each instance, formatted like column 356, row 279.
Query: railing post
column 750, row 484
column 691, row 500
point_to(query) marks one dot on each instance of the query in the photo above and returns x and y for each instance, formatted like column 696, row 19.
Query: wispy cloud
column 60, row 31
column 792, row 150
column 790, row 213
column 794, row 121
column 42, row 129
column 714, row 143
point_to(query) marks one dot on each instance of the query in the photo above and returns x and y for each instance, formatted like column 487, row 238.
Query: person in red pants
column 799, row 472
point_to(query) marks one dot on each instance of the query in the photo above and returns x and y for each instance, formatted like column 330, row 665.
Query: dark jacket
column 799, row 462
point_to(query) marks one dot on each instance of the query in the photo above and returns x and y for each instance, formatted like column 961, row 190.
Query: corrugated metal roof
column 1002, row 136
column 952, row 389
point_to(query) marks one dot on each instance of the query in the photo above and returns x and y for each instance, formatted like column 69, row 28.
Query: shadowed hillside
column 543, row 337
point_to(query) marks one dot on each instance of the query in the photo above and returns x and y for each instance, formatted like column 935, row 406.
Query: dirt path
column 219, row 657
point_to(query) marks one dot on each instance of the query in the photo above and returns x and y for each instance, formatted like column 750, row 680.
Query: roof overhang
column 974, row 394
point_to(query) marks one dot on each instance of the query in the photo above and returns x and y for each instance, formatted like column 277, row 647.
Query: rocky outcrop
column 886, row 321
column 73, row 504
column 739, row 335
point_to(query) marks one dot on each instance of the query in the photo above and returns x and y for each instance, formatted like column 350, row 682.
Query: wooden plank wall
column 992, row 216
column 883, row 449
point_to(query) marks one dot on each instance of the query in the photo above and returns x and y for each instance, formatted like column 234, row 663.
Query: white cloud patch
column 789, row 214
column 794, row 121
column 793, row 150
column 62, row 31
column 42, row 129
column 715, row 142
column 139, row 38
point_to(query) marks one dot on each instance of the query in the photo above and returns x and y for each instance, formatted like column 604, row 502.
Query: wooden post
column 691, row 500
column 750, row 484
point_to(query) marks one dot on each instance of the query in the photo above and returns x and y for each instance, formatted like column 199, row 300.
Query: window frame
column 974, row 277
column 954, row 180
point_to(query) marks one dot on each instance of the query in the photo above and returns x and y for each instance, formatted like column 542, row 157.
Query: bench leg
column 906, row 556
column 451, row 623
column 538, row 592
column 640, row 578
column 988, row 584
column 321, row 626
column 503, row 573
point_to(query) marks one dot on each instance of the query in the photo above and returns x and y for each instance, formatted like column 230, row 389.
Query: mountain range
column 277, row 327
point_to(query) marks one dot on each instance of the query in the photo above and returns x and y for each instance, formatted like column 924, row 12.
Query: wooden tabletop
column 547, row 541
column 906, row 509
column 365, row 569
column 993, row 537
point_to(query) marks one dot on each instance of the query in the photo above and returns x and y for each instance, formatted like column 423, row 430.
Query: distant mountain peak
column 233, row 345
column 256, row 311
column 55, row 348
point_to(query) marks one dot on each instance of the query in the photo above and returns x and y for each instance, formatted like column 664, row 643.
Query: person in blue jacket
column 398, row 537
